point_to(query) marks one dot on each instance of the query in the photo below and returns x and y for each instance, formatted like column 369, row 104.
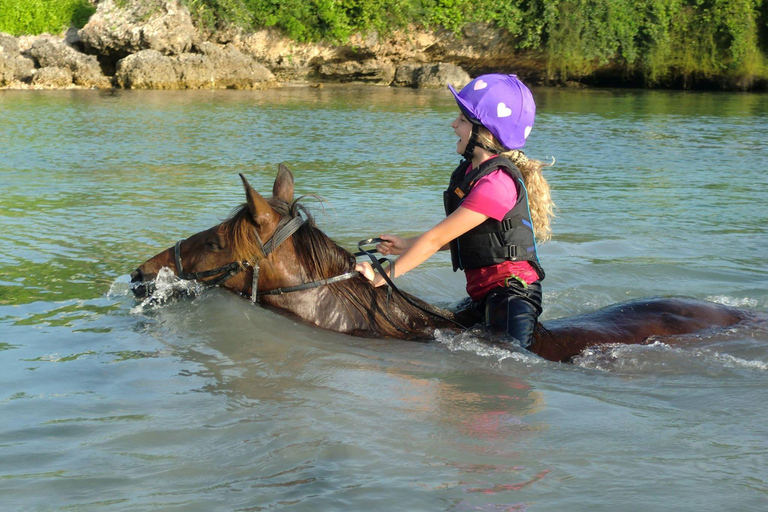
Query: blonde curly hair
column 540, row 202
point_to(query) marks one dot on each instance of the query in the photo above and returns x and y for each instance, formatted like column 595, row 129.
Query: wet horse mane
column 321, row 258
column 318, row 255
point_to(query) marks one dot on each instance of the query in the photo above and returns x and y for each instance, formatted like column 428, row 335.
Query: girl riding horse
column 498, row 206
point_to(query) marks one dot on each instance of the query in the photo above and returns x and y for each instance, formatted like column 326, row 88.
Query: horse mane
column 322, row 258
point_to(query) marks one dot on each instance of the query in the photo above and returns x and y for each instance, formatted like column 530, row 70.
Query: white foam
column 736, row 302
column 166, row 287
column 616, row 357
column 484, row 344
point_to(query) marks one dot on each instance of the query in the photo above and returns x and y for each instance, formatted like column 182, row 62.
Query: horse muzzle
column 142, row 285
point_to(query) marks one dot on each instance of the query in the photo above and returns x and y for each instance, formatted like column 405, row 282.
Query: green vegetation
column 660, row 41
column 19, row 17
column 657, row 41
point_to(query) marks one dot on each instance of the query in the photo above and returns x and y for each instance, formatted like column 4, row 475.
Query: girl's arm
column 421, row 248
column 394, row 244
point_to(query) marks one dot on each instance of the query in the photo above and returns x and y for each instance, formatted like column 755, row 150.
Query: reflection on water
column 209, row 403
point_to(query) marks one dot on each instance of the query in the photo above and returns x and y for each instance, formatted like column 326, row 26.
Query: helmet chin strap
column 469, row 149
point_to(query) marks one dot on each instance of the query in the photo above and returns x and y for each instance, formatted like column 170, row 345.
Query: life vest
column 493, row 241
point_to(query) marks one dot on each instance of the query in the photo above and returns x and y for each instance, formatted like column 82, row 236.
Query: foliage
column 662, row 41
column 19, row 17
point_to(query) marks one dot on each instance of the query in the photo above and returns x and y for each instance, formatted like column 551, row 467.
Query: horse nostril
column 136, row 275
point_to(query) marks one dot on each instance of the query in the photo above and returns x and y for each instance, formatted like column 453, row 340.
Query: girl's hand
column 366, row 270
column 392, row 244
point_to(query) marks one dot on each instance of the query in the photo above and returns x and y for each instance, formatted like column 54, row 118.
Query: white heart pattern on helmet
column 480, row 85
column 502, row 110
column 527, row 131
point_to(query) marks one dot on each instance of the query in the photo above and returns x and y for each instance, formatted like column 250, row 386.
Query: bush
column 32, row 17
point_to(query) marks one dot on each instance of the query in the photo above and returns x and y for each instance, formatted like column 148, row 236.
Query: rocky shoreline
column 123, row 46
column 135, row 44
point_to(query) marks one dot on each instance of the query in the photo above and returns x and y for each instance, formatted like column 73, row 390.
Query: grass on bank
column 22, row 17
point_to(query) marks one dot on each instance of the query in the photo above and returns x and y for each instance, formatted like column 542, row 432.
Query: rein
column 283, row 232
column 376, row 263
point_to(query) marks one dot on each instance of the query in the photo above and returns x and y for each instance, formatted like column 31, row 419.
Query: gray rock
column 85, row 69
column 216, row 68
column 193, row 71
column 14, row 67
column 404, row 75
column 53, row 77
column 437, row 76
column 6, row 72
column 147, row 69
column 120, row 28
column 377, row 71
column 9, row 48
column 8, row 44
column 430, row 76
column 234, row 69
column 23, row 68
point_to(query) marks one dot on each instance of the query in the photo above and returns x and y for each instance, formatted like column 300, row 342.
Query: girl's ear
column 283, row 187
column 261, row 212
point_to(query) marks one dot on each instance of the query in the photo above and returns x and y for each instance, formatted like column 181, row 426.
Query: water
column 214, row 404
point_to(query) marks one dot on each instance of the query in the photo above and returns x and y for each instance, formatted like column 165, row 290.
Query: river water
column 213, row 404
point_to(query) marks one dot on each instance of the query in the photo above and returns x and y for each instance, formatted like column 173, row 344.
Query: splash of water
column 736, row 302
column 166, row 287
column 485, row 344
column 658, row 356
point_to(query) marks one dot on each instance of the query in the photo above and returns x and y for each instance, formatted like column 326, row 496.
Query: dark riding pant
column 513, row 310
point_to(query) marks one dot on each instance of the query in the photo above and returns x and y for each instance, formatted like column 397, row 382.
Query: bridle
column 285, row 229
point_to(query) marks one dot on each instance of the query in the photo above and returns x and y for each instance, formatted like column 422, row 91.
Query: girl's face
column 463, row 128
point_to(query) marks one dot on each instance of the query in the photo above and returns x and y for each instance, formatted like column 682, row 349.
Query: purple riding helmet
column 501, row 103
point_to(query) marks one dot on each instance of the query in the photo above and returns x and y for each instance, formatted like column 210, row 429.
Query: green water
column 214, row 404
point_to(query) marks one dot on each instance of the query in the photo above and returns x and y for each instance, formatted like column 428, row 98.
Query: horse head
column 227, row 254
column 269, row 248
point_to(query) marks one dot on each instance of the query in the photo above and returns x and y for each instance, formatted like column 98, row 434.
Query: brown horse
column 271, row 250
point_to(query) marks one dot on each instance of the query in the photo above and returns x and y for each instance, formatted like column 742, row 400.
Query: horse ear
column 260, row 209
column 283, row 187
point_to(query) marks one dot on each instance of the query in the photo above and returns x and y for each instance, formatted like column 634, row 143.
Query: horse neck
column 355, row 307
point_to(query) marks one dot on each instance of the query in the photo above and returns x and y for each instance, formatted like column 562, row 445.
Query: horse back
column 631, row 322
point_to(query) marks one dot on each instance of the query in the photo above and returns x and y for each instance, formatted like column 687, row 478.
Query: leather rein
column 285, row 229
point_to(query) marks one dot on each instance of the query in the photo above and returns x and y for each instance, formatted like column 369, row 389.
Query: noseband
column 285, row 229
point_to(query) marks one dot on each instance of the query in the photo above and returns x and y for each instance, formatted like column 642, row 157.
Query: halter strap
column 313, row 284
column 227, row 270
column 283, row 232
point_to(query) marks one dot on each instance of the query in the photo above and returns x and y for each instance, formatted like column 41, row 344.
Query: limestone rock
column 288, row 60
column 85, row 69
column 404, row 75
column 53, row 77
column 235, row 70
column 437, row 76
column 14, row 67
column 377, row 71
column 193, row 71
column 23, row 68
column 147, row 69
column 214, row 68
column 8, row 44
column 120, row 28
column 431, row 76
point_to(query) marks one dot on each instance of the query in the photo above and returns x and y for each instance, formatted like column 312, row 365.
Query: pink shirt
column 494, row 195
